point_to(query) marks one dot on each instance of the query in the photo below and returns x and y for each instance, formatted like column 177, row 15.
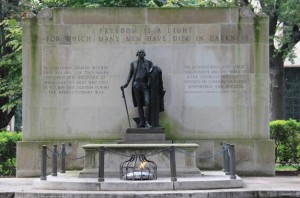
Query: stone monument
column 215, row 71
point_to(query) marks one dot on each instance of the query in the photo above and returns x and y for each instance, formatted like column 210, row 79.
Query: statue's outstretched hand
column 123, row 86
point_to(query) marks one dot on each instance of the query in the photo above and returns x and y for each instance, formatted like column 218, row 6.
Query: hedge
column 8, row 142
column 286, row 134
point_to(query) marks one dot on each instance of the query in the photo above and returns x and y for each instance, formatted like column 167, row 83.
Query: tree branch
column 296, row 33
column 294, row 39
column 11, row 113
column 261, row 2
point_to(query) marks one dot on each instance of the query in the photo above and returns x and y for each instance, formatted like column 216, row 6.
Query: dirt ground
column 287, row 173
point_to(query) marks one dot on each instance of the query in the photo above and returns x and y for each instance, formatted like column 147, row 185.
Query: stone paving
column 278, row 186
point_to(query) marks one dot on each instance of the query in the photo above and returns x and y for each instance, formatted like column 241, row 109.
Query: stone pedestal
column 142, row 135
column 115, row 154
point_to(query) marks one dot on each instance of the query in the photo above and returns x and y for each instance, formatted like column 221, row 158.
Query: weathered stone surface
column 215, row 71
column 67, row 182
column 144, row 135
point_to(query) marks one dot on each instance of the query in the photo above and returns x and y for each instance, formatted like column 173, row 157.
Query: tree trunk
column 277, row 87
column 5, row 117
column 277, row 75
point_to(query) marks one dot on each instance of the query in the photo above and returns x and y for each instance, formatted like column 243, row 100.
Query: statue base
column 140, row 135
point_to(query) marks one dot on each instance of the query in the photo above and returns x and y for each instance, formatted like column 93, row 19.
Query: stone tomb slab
column 71, row 181
column 115, row 154
column 135, row 135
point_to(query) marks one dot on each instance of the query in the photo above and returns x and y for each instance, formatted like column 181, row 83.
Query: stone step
column 161, row 194
column 67, row 182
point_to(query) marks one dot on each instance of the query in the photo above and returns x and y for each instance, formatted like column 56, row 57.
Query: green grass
column 285, row 168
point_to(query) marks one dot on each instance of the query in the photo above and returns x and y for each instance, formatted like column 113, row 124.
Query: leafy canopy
column 11, row 83
column 284, row 25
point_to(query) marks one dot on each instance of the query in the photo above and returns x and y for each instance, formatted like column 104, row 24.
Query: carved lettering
column 152, row 34
column 216, row 78
column 134, row 38
column 63, row 80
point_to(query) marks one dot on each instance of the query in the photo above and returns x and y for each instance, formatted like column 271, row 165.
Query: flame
column 143, row 164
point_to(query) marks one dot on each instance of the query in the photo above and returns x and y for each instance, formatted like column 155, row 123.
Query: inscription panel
column 156, row 34
column 73, row 79
column 205, row 67
column 62, row 80
column 216, row 78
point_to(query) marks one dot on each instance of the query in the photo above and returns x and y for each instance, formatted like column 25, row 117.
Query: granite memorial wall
column 215, row 72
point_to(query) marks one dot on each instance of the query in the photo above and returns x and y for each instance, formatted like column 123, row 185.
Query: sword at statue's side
column 123, row 95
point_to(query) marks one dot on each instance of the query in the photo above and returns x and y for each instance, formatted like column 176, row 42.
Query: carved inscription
column 66, row 80
column 145, row 34
column 198, row 78
column 215, row 78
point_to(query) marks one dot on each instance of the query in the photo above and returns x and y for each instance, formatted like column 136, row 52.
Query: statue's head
column 141, row 52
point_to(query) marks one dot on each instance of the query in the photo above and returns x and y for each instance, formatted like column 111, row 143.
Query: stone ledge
column 121, row 146
column 145, row 135
column 155, row 130
column 210, row 180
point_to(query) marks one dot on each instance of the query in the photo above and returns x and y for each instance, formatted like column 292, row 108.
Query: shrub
column 8, row 142
column 287, row 142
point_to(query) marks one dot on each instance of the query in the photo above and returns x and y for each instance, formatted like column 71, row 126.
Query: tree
column 95, row 3
column 10, row 60
column 284, row 32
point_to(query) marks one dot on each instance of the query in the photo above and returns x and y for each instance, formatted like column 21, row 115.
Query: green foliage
column 8, row 167
column 138, row 3
column 180, row 3
column 8, row 142
column 11, row 83
column 191, row 3
column 285, row 32
column 286, row 134
column 280, row 167
column 11, row 13
column 95, row 3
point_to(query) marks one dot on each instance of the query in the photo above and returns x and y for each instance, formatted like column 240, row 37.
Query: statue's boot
column 147, row 112
column 147, row 125
column 142, row 118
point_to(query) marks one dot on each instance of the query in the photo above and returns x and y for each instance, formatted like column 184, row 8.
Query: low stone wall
column 115, row 154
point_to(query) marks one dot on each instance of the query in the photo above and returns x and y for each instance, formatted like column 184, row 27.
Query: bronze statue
column 147, row 90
